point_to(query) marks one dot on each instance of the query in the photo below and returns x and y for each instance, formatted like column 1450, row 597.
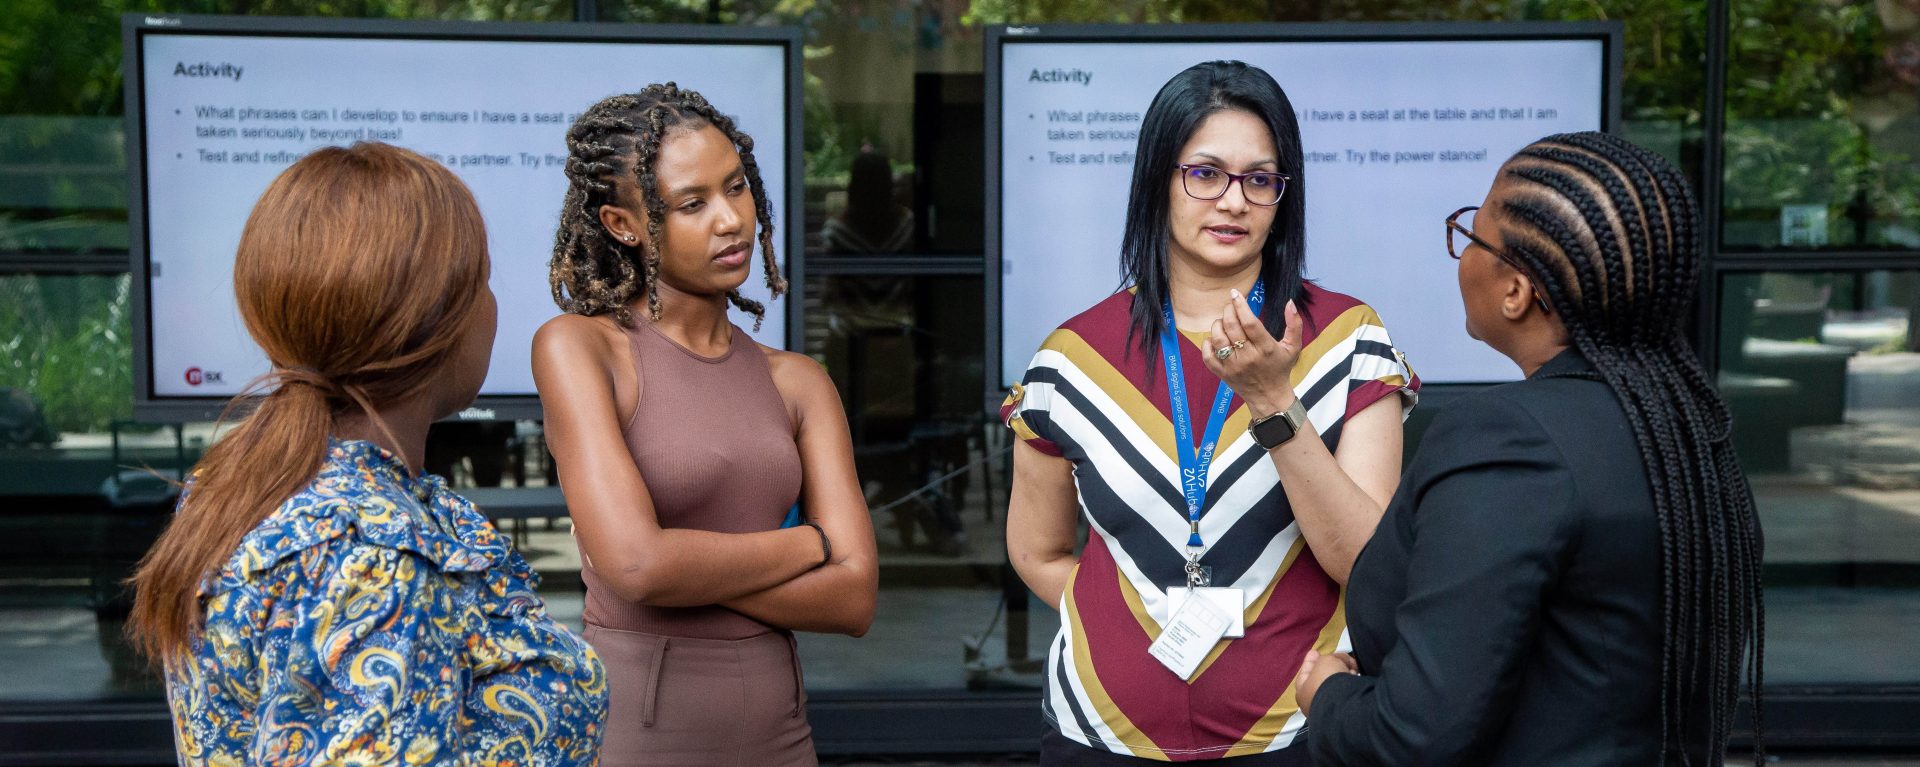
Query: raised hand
column 1258, row 366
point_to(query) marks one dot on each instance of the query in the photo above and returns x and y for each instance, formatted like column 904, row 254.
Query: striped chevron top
column 1086, row 398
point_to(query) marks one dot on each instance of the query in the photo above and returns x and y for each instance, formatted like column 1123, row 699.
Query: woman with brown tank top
column 682, row 443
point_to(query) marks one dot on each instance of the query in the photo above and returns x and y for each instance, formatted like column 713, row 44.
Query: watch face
column 1270, row 432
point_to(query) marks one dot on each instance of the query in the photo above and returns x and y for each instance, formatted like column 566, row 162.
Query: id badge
column 1231, row 602
column 1189, row 636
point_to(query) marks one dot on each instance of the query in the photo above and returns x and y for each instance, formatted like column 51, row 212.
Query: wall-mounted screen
column 1401, row 125
column 218, row 106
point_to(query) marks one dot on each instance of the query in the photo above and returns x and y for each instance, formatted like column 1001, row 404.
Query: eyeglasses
column 1454, row 226
column 1205, row 182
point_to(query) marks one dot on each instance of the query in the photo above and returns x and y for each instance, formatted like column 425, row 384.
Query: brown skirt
column 679, row 701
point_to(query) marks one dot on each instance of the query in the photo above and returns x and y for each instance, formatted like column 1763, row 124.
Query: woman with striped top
column 1264, row 493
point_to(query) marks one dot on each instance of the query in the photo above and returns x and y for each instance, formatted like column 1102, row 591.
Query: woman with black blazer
column 1570, row 572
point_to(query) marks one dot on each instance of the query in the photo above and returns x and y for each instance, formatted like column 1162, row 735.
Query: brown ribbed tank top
column 716, row 447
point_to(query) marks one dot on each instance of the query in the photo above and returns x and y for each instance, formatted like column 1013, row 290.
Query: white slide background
column 1374, row 226
column 196, row 208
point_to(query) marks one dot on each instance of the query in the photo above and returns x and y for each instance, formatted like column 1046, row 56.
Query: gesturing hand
column 1259, row 367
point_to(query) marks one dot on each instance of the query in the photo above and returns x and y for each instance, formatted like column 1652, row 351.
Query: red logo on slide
column 196, row 376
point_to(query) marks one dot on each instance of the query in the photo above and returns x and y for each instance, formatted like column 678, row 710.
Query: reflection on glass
column 80, row 504
column 905, row 355
column 872, row 219
column 86, row 491
column 62, row 184
column 66, row 361
column 1822, row 373
column 1823, row 125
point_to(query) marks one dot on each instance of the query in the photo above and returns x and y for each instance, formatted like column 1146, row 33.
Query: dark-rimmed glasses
column 1454, row 226
column 1205, row 182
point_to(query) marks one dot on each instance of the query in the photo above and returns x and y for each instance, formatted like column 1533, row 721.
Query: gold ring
column 1240, row 343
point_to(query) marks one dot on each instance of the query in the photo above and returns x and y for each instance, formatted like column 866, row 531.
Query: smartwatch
column 1274, row 430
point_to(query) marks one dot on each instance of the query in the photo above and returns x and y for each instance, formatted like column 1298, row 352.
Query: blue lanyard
column 1195, row 462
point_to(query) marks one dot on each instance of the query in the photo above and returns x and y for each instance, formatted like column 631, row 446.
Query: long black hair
column 871, row 211
column 1611, row 232
column 1177, row 111
column 593, row 272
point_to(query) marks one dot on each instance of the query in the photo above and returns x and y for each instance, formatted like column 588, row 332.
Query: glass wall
column 1821, row 132
column 1823, row 126
column 905, row 354
column 1822, row 373
column 76, row 512
column 84, row 490
column 1817, row 361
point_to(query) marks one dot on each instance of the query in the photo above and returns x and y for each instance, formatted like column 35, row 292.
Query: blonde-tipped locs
column 592, row 271
column 359, row 273
column 1610, row 232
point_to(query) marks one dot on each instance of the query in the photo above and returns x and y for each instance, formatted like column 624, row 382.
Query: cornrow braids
column 592, row 272
column 1608, row 229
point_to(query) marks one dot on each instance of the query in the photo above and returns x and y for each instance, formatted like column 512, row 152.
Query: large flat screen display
column 1401, row 125
column 217, row 107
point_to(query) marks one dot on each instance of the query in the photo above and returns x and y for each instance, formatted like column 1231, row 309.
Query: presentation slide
column 1397, row 135
column 225, row 114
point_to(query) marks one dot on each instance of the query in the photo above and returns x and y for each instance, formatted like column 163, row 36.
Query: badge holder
column 1230, row 602
column 1189, row 636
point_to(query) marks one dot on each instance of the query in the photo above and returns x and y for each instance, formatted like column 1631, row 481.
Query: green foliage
column 63, row 184
column 828, row 144
column 828, row 147
column 1665, row 56
column 668, row 11
column 1802, row 78
column 67, row 342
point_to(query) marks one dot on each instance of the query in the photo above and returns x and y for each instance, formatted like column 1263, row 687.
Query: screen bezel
column 137, row 27
column 1610, row 34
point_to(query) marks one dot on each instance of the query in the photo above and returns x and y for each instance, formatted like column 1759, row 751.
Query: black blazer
column 1507, row 609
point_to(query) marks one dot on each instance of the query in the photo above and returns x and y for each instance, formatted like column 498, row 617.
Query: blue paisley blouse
column 378, row 618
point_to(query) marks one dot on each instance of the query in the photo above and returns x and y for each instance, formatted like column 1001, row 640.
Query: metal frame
column 1609, row 33
column 135, row 27
column 33, row 262
column 896, row 266
column 1712, row 184
column 1721, row 260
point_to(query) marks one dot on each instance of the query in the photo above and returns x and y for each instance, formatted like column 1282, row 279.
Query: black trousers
column 1058, row 750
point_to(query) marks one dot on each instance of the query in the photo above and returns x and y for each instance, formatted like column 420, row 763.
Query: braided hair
column 592, row 272
column 1609, row 230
